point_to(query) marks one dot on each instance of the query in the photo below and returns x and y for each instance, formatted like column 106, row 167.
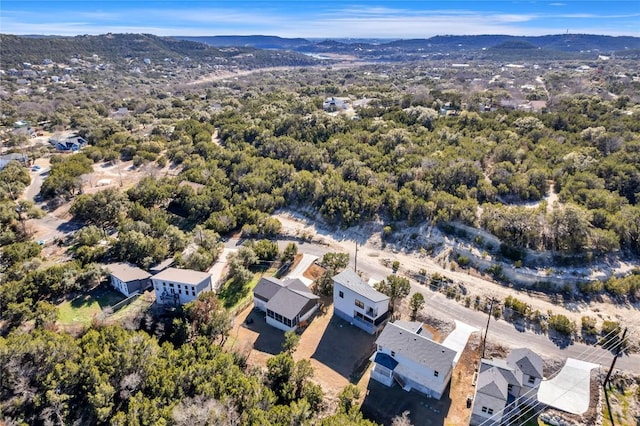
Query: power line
column 539, row 410
column 581, row 355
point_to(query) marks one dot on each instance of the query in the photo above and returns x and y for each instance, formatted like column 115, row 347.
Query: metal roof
column 526, row 361
column 183, row 276
column 353, row 282
column 416, row 347
column 127, row 272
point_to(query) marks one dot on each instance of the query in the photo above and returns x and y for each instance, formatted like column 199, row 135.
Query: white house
column 288, row 304
column 128, row 279
column 407, row 355
column 176, row 287
column 504, row 381
column 358, row 303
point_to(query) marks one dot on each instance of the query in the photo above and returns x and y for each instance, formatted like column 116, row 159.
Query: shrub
column 562, row 324
column 589, row 326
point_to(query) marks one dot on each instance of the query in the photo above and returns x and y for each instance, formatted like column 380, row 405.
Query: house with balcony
column 175, row 287
column 503, row 385
column 288, row 304
column 407, row 355
column 128, row 279
column 355, row 301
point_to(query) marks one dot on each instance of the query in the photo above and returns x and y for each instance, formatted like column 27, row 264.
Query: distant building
column 335, row 104
column 128, row 279
column 7, row 158
column 70, row 143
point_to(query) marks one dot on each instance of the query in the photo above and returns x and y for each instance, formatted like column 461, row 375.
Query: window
column 436, row 374
column 359, row 304
column 487, row 410
column 509, row 388
column 490, row 411
column 393, row 353
column 341, row 294
column 532, row 379
column 484, row 409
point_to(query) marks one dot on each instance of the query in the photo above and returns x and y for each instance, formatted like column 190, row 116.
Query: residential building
column 6, row 159
column 70, row 143
column 355, row 301
column 288, row 304
column 406, row 354
column 501, row 382
column 175, row 287
column 128, row 279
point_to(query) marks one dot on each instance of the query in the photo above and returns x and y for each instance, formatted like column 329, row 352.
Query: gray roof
column 512, row 375
column 491, row 382
column 267, row 287
column 127, row 272
column 289, row 303
column 184, row 276
column 417, row 348
column 526, row 361
column 414, row 327
column 353, row 282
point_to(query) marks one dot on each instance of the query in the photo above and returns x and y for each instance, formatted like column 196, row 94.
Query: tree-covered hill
column 118, row 47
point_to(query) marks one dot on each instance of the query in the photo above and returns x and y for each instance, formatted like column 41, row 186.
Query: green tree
column 397, row 288
column 290, row 252
column 416, row 303
column 208, row 317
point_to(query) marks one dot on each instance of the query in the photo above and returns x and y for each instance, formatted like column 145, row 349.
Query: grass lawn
column 83, row 308
column 233, row 296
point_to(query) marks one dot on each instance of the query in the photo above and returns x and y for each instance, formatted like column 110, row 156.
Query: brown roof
column 184, row 276
column 127, row 272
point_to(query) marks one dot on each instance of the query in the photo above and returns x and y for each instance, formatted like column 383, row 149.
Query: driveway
column 569, row 390
column 306, row 261
column 457, row 339
column 218, row 267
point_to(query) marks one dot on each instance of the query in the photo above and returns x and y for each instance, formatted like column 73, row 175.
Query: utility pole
column 355, row 260
column 615, row 357
column 484, row 340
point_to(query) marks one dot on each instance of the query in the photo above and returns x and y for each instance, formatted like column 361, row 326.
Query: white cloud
column 377, row 22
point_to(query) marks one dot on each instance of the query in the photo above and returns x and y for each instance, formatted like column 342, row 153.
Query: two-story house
column 355, row 301
column 175, row 287
column 407, row 355
column 504, row 384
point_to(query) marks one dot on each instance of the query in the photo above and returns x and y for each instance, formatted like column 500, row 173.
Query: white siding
column 186, row 292
column 419, row 376
column 347, row 303
column 120, row 286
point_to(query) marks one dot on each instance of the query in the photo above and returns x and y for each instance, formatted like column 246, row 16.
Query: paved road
column 500, row 331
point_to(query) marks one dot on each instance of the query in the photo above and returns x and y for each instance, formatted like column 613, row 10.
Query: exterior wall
column 186, row 292
column 273, row 323
column 345, row 307
column 260, row 304
column 491, row 403
column 120, row 286
column 382, row 374
column 310, row 309
column 420, row 377
column 310, row 312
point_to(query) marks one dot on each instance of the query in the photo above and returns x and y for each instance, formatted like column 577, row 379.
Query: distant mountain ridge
column 575, row 43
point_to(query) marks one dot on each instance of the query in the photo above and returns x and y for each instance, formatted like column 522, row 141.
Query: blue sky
column 306, row 18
